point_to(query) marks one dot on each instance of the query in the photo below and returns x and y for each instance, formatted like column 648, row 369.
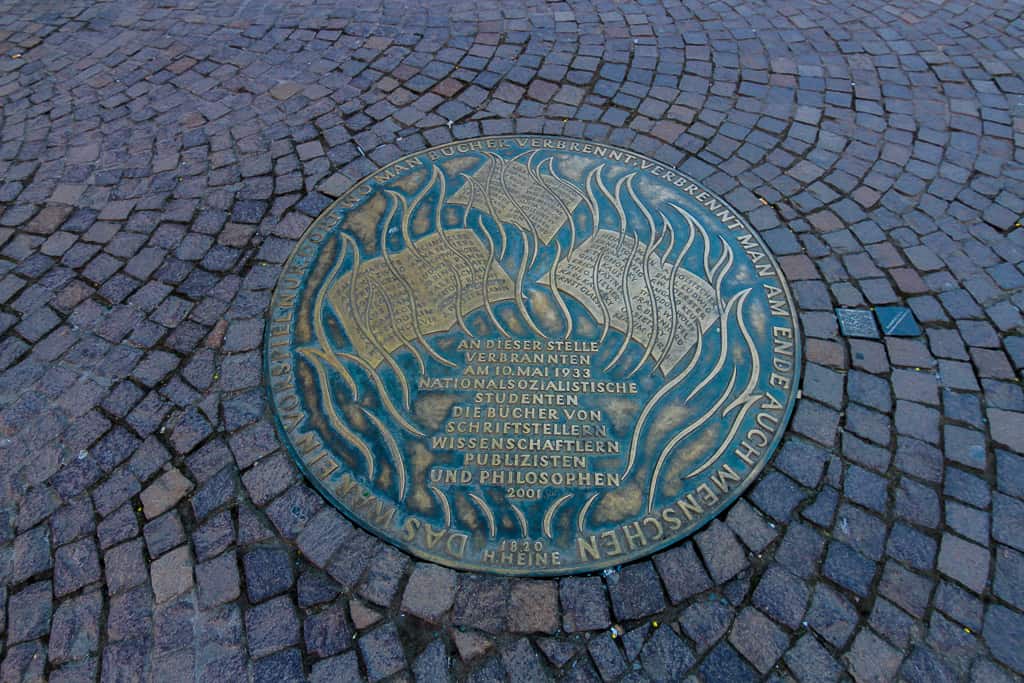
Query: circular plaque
column 531, row 355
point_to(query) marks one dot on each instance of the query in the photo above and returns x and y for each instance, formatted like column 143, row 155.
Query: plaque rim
column 421, row 554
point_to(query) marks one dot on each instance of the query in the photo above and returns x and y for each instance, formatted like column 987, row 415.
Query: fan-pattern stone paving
column 159, row 160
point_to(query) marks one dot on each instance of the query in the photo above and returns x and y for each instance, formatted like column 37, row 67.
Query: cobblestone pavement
column 157, row 162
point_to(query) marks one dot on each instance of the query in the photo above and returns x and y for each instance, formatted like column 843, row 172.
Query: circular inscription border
column 531, row 355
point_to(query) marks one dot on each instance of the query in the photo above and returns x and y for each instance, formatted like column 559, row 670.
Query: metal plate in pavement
column 531, row 355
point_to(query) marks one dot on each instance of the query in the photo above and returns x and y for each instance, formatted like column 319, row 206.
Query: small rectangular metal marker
column 897, row 321
column 857, row 323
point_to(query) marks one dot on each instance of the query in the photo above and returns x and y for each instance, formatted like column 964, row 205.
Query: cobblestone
column 758, row 639
column 327, row 633
column 155, row 178
column 272, row 626
column 382, row 652
column 171, row 574
column 781, row 596
column 75, row 566
column 637, row 592
column 430, row 591
column 871, row 658
column 723, row 664
column 29, row 612
column 533, row 607
column 218, row 580
column 584, row 605
column 75, row 630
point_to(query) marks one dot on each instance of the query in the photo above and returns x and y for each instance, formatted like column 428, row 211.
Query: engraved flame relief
column 531, row 355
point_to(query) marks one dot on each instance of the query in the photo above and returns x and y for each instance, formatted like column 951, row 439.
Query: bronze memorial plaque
column 531, row 355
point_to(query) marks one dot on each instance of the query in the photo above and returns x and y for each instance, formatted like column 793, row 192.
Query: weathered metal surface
column 897, row 321
column 531, row 355
column 855, row 322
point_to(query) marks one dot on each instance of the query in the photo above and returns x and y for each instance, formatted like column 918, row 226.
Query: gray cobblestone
column 145, row 220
